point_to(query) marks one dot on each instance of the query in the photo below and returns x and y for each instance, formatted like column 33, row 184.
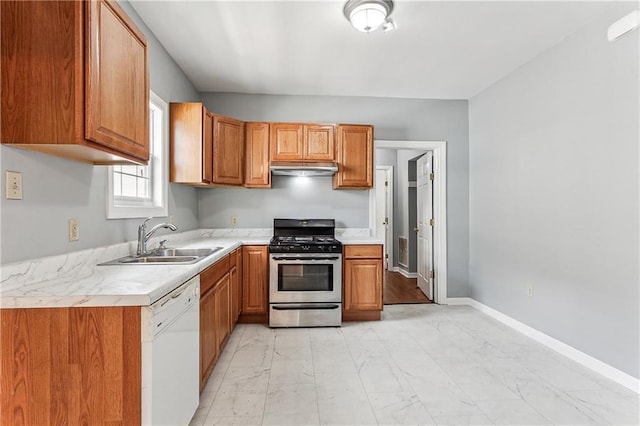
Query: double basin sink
column 166, row 256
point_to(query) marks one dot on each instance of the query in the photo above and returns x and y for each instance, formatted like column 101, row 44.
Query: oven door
column 305, row 278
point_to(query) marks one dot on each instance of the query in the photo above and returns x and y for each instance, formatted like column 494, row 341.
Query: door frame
column 372, row 213
column 439, row 149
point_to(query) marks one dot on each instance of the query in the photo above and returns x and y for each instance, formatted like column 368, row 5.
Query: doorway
column 433, row 231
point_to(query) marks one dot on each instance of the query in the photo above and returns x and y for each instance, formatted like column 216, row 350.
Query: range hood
column 300, row 168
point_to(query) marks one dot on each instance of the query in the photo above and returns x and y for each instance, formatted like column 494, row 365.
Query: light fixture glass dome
column 368, row 15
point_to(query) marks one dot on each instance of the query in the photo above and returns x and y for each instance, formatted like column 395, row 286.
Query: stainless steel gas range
column 305, row 282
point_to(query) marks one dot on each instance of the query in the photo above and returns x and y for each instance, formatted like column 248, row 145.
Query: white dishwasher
column 171, row 357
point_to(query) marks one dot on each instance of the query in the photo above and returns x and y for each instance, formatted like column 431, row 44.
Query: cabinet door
column 354, row 157
column 222, row 311
column 117, row 81
column 286, row 141
column 257, row 173
column 228, row 150
column 191, row 143
column 208, row 347
column 255, row 280
column 363, row 285
column 318, row 142
column 236, row 288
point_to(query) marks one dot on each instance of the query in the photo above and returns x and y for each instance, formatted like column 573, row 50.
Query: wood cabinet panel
column 222, row 311
column 286, row 141
column 71, row 366
column 363, row 251
column 54, row 52
column 362, row 282
column 117, row 81
column 354, row 156
column 210, row 276
column 255, row 280
column 208, row 342
column 228, row 151
column 191, row 143
column 236, row 287
column 319, row 142
column 257, row 173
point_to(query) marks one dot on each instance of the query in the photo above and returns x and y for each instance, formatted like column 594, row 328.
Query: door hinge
column 432, row 222
column 432, row 274
column 432, row 176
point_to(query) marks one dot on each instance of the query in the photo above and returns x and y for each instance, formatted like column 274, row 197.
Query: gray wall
column 393, row 119
column 554, row 194
column 55, row 190
column 298, row 197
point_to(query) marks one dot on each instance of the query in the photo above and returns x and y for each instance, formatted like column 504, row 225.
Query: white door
column 383, row 205
column 425, row 230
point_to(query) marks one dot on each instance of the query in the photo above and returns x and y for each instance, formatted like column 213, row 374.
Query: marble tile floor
column 422, row 364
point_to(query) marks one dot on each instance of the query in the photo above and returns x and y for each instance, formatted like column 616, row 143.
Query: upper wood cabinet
column 318, row 142
column 191, row 143
column 302, row 142
column 256, row 149
column 354, row 148
column 228, row 150
column 75, row 81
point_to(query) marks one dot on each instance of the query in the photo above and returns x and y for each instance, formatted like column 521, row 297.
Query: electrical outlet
column 171, row 218
column 74, row 230
column 530, row 291
column 234, row 220
column 13, row 190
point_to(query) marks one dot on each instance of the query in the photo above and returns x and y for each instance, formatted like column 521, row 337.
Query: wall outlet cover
column 74, row 230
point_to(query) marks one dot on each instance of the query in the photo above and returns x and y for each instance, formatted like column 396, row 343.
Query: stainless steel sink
column 167, row 256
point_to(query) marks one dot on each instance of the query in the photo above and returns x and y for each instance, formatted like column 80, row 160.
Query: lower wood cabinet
column 255, row 284
column 362, row 282
column 235, row 273
column 215, row 314
column 71, row 366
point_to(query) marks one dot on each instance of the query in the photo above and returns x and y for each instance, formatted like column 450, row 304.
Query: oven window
column 305, row 277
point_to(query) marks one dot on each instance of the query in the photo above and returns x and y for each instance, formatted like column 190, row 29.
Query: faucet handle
column 144, row 222
column 162, row 243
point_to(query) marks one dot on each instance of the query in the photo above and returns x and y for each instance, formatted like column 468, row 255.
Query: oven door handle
column 306, row 258
column 306, row 306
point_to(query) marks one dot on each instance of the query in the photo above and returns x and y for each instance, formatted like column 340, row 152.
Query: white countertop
column 75, row 279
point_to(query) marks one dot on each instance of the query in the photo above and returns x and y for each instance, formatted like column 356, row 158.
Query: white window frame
column 157, row 205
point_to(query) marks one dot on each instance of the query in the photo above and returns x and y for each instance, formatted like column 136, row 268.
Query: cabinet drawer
column 362, row 251
column 212, row 274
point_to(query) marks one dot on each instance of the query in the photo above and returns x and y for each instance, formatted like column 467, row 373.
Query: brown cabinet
column 362, row 281
column 255, row 283
column 228, row 151
column 257, row 173
column 222, row 311
column 301, row 142
column 71, row 366
column 213, row 329
column 75, row 81
column 191, row 143
column 354, row 148
column 235, row 273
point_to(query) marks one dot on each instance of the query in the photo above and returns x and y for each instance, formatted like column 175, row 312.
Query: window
column 141, row 191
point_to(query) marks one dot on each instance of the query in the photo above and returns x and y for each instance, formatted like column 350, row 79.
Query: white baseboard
column 570, row 352
column 405, row 273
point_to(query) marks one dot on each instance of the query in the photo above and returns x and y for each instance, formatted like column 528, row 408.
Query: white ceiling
column 441, row 49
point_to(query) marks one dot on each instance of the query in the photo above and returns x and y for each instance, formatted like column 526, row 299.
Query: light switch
column 13, row 190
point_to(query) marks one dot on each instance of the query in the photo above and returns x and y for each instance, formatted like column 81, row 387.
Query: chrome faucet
column 143, row 235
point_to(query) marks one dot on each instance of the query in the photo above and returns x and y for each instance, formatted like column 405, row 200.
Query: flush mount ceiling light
column 369, row 15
